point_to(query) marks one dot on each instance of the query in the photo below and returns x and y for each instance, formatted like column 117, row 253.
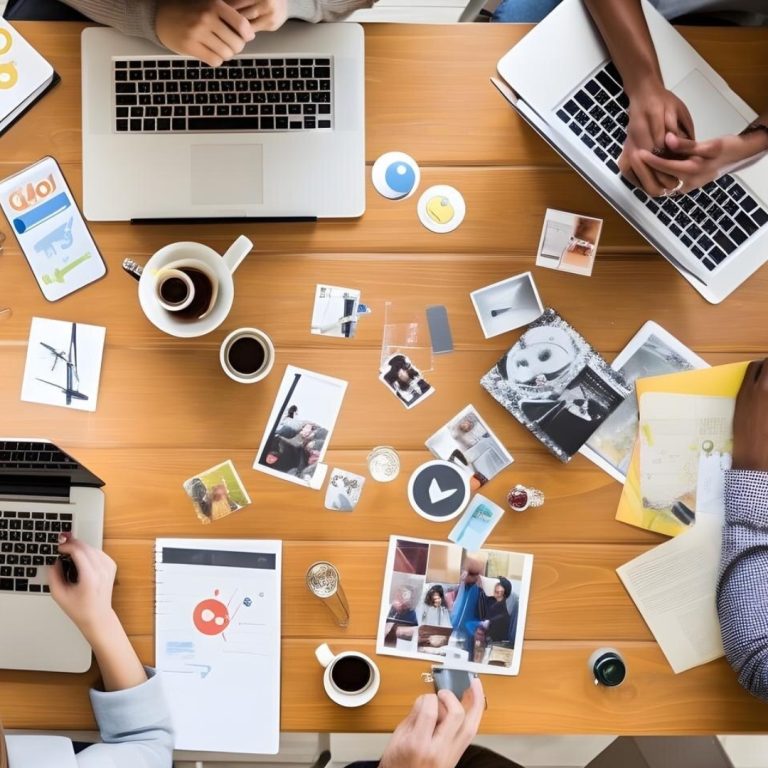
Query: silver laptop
column 43, row 491
column 716, row 236
column 276, row 133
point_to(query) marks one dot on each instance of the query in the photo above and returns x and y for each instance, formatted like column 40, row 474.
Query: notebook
column 217, row 642
column 24, row 75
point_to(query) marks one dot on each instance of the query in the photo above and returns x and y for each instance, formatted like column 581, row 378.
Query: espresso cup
column 351, row 679
column 174, row 289
column 247, row 355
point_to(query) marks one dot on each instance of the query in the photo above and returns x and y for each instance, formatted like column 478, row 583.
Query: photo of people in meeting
column 443, row 603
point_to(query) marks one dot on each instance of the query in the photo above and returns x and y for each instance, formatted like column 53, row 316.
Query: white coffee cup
column 344, row 678
column 254, row 369
column 195, row 256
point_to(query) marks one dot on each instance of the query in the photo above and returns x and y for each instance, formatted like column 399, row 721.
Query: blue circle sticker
column 395, row 175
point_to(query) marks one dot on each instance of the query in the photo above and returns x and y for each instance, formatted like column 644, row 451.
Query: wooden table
column 166, row 410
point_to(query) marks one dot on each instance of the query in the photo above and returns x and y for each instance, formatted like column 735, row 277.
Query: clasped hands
column 215, row 30
column 661, row 153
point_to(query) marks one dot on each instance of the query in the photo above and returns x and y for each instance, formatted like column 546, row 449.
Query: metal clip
column 132, row 268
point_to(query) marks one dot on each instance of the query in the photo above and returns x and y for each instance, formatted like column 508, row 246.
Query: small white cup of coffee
column 247, row 355
column 351, row 678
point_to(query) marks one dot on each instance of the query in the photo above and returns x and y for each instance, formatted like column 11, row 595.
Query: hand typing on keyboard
column 210, row 30
column 88, row 601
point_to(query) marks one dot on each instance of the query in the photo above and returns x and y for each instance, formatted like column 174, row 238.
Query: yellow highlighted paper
column 722, row 381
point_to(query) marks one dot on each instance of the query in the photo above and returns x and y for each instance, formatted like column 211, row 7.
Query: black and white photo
column 556, row 385
column 506, row 305
column 300, row 426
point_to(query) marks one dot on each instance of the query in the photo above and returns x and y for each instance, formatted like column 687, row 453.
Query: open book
column 24, row 75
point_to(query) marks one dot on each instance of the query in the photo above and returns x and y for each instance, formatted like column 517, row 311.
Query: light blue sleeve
column 135, row 726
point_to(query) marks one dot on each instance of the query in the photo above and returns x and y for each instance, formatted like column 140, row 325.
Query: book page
column 673, row 586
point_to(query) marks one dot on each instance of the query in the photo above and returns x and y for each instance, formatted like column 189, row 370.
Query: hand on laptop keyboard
column 696, row 163
column 211, row 30
column 88, row 602
column 653, row 111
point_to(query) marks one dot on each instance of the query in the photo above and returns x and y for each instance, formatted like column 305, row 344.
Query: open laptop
column 43, row 491
column 276, row 133
column 716, row 236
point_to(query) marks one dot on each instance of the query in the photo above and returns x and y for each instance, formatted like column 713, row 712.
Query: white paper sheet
column 218, row 642
column 673, row 586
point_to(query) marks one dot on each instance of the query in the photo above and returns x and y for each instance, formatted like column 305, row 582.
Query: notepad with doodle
column 217, row 642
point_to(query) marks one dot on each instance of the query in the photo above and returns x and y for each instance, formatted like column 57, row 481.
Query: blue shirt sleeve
column 742, row 592
column 135, row 726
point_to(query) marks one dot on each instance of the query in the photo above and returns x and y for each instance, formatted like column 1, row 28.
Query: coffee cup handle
column 324, row 655
column 237, row 252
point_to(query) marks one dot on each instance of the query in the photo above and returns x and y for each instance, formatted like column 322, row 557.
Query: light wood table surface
column 166, row 410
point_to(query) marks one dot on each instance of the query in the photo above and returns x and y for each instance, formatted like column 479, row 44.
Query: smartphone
column 50, row 229
column 456, row 680
column 439, row 329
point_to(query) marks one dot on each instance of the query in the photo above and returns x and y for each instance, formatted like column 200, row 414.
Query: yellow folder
column 720, row 381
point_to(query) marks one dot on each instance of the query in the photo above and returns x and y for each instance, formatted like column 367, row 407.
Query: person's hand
column 210, row 30
column 697, row 162
column 653, row 112
column 88, row 602
column 265, row 15
column 750, row 420
column 436, row 731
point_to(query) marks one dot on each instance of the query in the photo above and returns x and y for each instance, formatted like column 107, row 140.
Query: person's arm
column 697, row 162
column 131, row 18
column 325, row 10
column 742, row 592
column 436, row 731
column 653, row 110
column 131, row 711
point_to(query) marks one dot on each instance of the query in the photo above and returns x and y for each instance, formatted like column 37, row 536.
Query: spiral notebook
column 24, row 75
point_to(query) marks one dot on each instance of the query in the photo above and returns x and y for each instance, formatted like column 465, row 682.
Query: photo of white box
column 508, row 304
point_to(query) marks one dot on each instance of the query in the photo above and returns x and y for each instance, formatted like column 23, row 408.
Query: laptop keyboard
column 29, row 541
column 245, row 94
column 28, row 455
column 711, row 222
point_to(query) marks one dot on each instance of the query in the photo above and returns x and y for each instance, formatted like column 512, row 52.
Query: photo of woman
column 405, row 381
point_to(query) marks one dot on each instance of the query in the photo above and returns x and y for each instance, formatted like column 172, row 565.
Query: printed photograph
column 467, row 441
column 300, row 427
column 569, row 242
column 343, row 491
column 506, row 305
column 476, row 524
column 405, row 381
column 216, row 492
column 335, row 311
column 556, row 385
column 465, row 608
column 651, row 352
column 63, row 364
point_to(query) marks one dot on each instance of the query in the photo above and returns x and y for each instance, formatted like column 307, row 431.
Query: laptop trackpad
column 713, row 115
column 226, row 174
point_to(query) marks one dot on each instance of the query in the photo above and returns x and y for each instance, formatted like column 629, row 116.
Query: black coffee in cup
column 202, row 290
column 174, row 290
column 246, row 355
column 351, row 674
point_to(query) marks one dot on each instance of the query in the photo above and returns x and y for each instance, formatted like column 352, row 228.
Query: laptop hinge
column 33, row 488
column 228, row 220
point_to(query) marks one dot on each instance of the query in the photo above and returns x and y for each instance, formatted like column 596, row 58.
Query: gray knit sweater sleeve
column 137, row 17
column 742, row 592
column 132, row 17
